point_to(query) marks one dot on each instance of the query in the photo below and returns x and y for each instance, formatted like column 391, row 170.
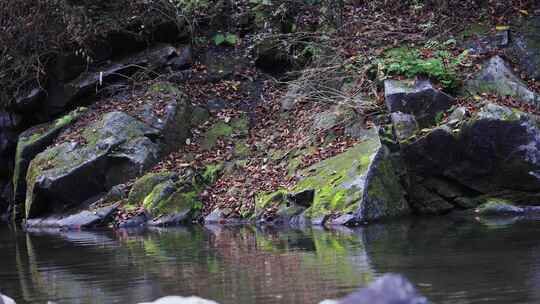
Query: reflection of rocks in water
column 457, row 258
column 226, row 264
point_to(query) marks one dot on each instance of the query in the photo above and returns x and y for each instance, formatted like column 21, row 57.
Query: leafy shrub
column 439, row 64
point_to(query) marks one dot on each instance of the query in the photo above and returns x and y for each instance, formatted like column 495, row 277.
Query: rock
column 215, row 217
column 337, row 115
column 10, row 125
column 181, row 300
column 343, row 220
column 284, row 205
column 78, row 220
column 34, row 141
column 135, row 222
column 117, row 148
column 223, row 66
column 494, row 206
column 6, row 300
column 497, row 77
column 420, row 99
column 495, row 153
column 174, row 123
column 168, row 198
column 68, row 95
column 388, row 289
column 271, row 56
column 291, row 98
column 29, row 102
column 405, row 125
column 183, row 60
column 360, row 182
column 526, row 46
column 303, row 198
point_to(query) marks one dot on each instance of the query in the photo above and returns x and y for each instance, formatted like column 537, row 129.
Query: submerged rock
column 418, row 98
column 498, row 78
column 388, row 289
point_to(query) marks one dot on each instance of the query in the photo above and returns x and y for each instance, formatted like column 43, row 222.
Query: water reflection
column 231, row 265
column 452, row 260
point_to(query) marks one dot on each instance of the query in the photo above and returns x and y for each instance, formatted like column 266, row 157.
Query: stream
column 449, row 260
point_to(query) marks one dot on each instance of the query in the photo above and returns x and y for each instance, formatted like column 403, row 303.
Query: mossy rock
column 33, row 141
column 360, row 182
column 117, row 148
column 144, row 186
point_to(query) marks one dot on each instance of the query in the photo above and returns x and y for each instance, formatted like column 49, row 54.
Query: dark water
column 450, row 261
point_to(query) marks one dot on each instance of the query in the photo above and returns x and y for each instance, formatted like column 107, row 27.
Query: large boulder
column 496, row 153
column 497, row 77
column 33, row 141
column 114, row 149
column 359, row 185
column 418, row 98
column 98, row 154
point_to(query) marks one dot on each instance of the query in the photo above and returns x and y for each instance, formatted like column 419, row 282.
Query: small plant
column 434, row 62
column 228, row 39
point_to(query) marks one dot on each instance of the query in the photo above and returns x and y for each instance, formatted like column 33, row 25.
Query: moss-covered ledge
column 32, row 142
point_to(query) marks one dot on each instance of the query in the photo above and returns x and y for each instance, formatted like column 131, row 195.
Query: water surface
column 450, row 261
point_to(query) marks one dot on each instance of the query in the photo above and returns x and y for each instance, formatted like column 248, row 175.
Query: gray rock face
column 77, row 220
column 109, row 152
column 498, row 78
column 33, row 141
column 405, row 125
column 118, row 147
column 29, row 102
column 495, row 153
column 388, row 289
column 9, row 128
column 419, row 99
column 526, row 46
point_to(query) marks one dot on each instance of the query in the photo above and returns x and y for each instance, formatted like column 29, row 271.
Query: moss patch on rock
column 339, row 181
column 221, row 129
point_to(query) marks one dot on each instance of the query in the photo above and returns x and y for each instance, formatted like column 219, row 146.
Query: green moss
column 178, row 202
column 144, row 186
column 266, row 200
column 338, row 181
column 222, row 130
column 211, row 173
